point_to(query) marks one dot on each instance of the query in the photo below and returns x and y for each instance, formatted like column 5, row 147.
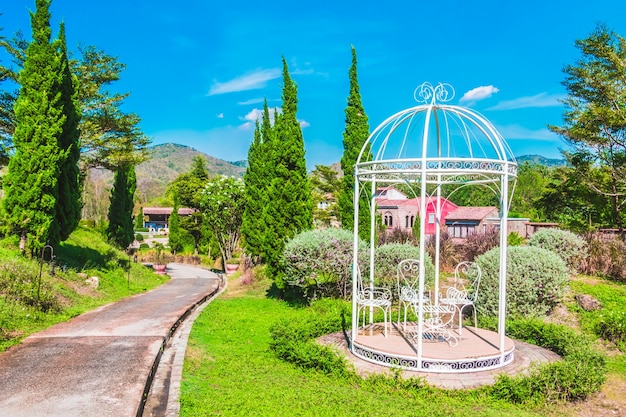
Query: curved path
column 103, row 362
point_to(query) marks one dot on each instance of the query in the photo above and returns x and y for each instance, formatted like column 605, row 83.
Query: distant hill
column 166, row 162
column 541, row 160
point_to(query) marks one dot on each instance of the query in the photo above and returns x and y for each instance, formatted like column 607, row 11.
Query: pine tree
column 120, row 231
column 31, row 183
column 69, row 204
column 289, row 208
column 354, row 137
column 174, row 236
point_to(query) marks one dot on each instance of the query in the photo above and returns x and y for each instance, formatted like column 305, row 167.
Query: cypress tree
column 31, row 183
column 257, row 179
column 354, row 136
column 290, row 207
column 69, row 205
column 120, row 230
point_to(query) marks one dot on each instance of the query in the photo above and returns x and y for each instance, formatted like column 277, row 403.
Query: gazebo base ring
column 476, row 351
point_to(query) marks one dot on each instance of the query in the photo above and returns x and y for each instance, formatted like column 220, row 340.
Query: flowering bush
column 611, row 326
column 536, row 281
column 320, row 262
column 569, row 246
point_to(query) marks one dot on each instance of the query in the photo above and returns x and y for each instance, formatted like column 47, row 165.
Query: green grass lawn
column 230, row 371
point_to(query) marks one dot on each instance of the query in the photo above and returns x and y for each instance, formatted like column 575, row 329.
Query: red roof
column 183, row 211
column 471, row 213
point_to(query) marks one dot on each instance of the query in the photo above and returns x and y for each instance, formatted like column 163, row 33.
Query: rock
column 587, row 302
column 93, row 282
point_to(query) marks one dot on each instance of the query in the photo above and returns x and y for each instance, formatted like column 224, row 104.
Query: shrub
column 606, row 258
column 611, row 325
column 320, row 262
column 569, row 246
column 478, row 243
column 449, row 254
column 139, row 237
column 580, row 373
column 293, row 338
column 514, row 239
column 536, row 281
column 386, row 260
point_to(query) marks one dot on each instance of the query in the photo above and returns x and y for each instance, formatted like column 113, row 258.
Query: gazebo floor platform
column 473, row 362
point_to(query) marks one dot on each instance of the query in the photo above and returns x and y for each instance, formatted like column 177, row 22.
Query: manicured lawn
column 230, row 371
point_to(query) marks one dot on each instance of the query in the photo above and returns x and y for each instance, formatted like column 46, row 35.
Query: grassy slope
column 229, row 371
column 65, row 294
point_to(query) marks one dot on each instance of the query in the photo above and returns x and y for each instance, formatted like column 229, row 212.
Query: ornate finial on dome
column 426, row 93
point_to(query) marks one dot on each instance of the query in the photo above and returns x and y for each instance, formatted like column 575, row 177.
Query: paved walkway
column 101, row 363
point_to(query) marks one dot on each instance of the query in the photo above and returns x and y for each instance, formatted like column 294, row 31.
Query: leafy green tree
column 175, row 240
column 69, row 204
column 120, row 231
column 31, row 183
column 532, row 180
column 223, row 202
column 187, row 187
column 354, row 137
column 594, row 120
column 289, row 208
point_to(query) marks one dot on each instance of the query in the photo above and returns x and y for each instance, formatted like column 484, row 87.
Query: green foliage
column 174, row 240
column 514, row 239
column 69, row 204
column 593, row 125
column 293, row 338
column 31, row 183
column 536, row 281
column 326, row 185
column 580, row 374
column 320, row 261
column 572, row 249
column 354, row 137
column 120, row 230
column 611, row 325
column 256, row 185
column 223, row 205
column 289, row 207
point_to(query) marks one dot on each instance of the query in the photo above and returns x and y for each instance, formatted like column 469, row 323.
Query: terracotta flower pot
column 159, row 268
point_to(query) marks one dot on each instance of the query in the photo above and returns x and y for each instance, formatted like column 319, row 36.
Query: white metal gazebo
column 427, row 147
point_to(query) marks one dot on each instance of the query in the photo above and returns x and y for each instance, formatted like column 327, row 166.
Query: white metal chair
column 408, row 287
column 368, row 297
column 461, row 296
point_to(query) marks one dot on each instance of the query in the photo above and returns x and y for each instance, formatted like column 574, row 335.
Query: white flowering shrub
column 569, row 246
column 536, row 281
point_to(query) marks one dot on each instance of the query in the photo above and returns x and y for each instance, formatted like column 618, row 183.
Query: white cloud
column 538, row 100
column 220, row 116
column 252, row 81
column 257, row 114
column 516, row 131
column 251, row 101
column 304, row 123
column 479, row 93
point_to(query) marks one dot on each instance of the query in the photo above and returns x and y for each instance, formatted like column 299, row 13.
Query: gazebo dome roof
column 436, row 141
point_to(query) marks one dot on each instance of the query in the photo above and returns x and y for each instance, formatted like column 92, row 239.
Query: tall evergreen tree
column 31, row 183
column 354, row 137
column 120, row 231
column 289, row 207
column 257, row 179
column 69, row 205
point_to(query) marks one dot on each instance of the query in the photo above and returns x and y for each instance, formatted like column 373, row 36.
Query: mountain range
column 169, row 160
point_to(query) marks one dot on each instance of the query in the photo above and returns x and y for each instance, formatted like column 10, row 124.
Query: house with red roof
column 158, row 217
column 397, row 211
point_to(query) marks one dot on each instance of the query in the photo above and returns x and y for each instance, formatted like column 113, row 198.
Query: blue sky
column 198, row 71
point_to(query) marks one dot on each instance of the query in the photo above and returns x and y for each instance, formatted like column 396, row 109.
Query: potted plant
column 232, row 264
column 159, row 261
